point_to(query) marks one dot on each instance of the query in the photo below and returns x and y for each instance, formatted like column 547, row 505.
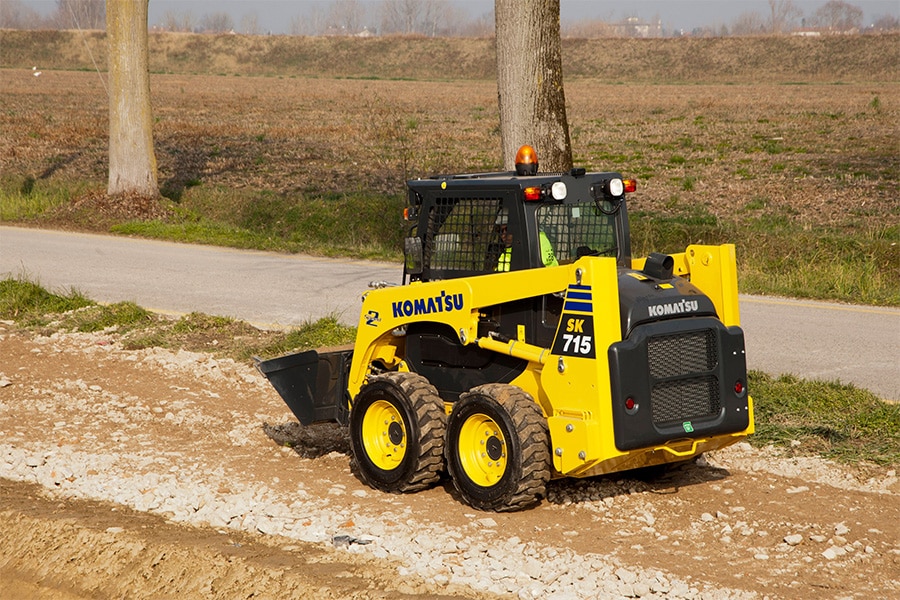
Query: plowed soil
column 818, row 154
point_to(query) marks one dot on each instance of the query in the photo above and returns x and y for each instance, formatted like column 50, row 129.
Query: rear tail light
column 631, row 405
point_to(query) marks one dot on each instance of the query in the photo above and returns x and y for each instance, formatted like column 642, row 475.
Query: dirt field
column 818, row 154
column 62, row 549
column 90, row 422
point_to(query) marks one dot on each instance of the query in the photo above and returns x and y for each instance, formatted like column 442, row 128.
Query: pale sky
column 275, row 15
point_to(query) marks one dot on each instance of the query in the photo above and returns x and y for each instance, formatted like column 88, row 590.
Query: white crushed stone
column 744, row 457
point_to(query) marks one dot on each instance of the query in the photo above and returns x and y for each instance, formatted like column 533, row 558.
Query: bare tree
column 886, row 23
column 400, row 16
column 426, row 17
column 482, row 26
column 346, row 17
column 837, row 15
column 132, row 161
column 16, row 15
column 219, row 22
column 782, row 15
column 748, row 23
column 437, row 16
column 530, row 84
column 183, row 22
column 250, row 24
column 313, row 22
column 80, row 14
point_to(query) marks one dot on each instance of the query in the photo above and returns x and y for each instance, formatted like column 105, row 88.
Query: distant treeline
column 663, row 60
column 442, row 18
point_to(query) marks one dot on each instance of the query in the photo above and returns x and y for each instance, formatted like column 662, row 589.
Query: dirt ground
column 741, row 519
column 62, row 549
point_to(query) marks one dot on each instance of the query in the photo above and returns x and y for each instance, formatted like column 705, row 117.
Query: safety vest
column 548, row 257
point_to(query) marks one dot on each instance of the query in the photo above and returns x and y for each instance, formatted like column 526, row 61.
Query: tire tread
column 534, row 439
column 431, row 421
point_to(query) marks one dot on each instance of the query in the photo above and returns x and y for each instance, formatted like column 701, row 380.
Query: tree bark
column 530, row 83
column 132, row 161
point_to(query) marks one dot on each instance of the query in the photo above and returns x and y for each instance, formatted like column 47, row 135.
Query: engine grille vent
column 685, row 399
column 682, row 354
column 680, row 365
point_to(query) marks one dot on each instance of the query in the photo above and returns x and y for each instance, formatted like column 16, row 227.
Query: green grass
column 323, row 333
column 362, row 225
column 671, row 233
column 195, row 322
column 836, row 421
column 121, row 317
column 26, row 198
column 831, row 264
column 31, row 306
column 778, row 257
column 27, row 302
column 239, row 340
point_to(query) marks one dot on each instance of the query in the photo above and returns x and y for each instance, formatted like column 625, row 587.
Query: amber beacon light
column 526, row 161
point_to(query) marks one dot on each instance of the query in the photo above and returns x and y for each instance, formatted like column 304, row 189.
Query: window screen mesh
column 462, row 235
column 576, row 230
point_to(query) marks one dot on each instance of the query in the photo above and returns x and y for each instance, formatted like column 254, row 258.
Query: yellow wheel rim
column 384, row 435
column 482, row 450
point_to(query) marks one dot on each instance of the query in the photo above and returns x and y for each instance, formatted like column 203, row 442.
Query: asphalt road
column 818, row 340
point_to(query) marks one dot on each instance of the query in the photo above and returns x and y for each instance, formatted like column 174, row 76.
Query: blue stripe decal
column 579, row 306
column 578, row 295
column 572, row 286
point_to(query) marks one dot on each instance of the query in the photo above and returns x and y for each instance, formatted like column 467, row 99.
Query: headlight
column 615, row 187
column 558, row 191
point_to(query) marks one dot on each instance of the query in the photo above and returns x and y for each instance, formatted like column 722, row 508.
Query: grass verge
column 360, row 225
column 28, row 198
column 32, row 306
column 777, row 257
column 836, row 421
column 840, row 422
column 849, row 262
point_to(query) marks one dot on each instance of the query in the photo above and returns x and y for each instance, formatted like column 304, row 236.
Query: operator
column 548, row 257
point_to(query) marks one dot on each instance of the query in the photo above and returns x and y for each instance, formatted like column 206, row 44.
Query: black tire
column 498, row 448
column 397, row 426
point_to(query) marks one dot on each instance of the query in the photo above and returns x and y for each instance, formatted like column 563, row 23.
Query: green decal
column 688, row 428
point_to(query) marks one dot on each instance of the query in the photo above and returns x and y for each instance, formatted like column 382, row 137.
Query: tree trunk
column 530, row 83
column 132, row 162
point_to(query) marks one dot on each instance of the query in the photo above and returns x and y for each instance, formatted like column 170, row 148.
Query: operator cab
column 478, row 224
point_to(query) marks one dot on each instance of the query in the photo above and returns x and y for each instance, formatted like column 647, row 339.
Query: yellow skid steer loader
column 526, row 343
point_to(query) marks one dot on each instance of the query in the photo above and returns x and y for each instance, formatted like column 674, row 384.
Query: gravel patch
column 117, row 460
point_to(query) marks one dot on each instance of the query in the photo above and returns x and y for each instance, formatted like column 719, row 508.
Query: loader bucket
column 312, row 384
